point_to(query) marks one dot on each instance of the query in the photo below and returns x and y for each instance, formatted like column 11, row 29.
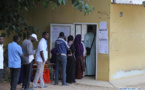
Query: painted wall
column 127, row 41
column 42, row 18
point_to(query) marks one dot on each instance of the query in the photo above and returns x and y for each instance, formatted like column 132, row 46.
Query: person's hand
column 36, row 50
column 46, row 62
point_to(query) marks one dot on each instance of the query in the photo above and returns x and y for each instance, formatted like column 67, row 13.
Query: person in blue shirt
column 14, row 61
column 61, row 58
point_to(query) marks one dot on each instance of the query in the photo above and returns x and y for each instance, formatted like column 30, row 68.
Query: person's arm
column 41, row 47
column 22, row 55
column 20, row 52
column 86, row 40
column 84, row 53
column 42, row 56
column 30, row 50
column 67, row 46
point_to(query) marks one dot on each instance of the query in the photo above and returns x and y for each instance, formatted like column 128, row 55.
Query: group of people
column 23, row 56
column 69, row 57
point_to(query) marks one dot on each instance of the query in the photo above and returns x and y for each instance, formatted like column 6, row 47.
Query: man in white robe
column 90, row 59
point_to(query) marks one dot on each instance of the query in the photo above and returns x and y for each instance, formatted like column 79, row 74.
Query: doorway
column 82, row 28
column 73, row 29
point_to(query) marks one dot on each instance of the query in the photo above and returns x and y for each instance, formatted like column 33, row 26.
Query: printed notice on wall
column 78, row 29
column 103, row 25
column 56, row 30
column 103, row 41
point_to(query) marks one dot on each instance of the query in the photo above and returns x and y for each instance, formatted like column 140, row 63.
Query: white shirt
column 84, row 53
column 1, row 56
column 31, row 57
column 42, row 47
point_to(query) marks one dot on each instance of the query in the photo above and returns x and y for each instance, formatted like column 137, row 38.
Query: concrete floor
column 88, row 83
column 59, row 87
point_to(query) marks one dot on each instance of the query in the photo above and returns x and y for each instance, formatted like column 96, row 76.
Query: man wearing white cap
column 27, row 60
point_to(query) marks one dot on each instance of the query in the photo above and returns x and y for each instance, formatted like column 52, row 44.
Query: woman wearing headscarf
column 71, row 64
column 79, row 57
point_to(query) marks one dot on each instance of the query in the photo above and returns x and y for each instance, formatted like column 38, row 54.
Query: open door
column 81, row 28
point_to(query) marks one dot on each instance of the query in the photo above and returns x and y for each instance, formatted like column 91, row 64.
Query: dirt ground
column 6, row 86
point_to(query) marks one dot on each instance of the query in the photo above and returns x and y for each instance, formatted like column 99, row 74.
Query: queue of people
column 67, row 55
column 24, row 56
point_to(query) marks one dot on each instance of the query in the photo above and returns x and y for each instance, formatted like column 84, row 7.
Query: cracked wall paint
column 127, row 46
column 123, row 74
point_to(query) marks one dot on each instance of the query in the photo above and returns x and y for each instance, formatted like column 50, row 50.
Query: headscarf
column 70, row 40
column 78, row 46
column 53, row 51
column 53, row 57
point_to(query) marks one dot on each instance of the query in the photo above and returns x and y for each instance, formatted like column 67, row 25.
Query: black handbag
column 88, row 49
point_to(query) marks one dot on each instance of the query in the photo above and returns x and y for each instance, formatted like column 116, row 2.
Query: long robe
column 79, row 57
column 91, row 59
column 79, row 67
column 71, row 65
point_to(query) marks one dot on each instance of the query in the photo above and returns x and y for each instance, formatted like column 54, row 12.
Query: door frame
column 96, row 41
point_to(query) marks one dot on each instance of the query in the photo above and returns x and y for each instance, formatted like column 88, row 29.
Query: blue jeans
column 0, row 73
column 61, row 61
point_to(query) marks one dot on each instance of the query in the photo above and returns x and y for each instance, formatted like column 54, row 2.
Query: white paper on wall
column 56, row 30
column 103, row 46
column 103, row 41
column 103, row 25
column 78, row 29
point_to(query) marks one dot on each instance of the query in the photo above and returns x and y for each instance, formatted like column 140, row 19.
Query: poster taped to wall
column 56, row 30
column 103, row 41
column 103, row 25
column 78, row 29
